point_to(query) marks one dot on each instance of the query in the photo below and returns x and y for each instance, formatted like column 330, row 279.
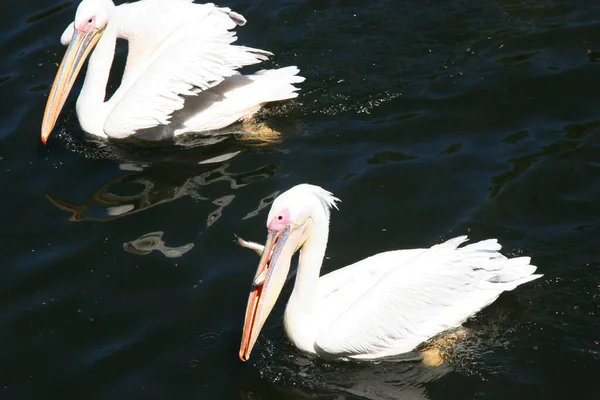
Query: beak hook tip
column 45, row 133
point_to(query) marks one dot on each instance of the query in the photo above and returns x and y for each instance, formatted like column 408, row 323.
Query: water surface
column 429, row 119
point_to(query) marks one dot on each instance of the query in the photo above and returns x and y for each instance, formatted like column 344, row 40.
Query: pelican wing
column 176, row 49
column 419, row 297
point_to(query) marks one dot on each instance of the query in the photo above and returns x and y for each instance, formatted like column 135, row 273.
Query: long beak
column 270, row 276
column 80, row 47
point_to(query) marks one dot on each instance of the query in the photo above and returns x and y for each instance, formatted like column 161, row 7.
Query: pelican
column 181, row 73
column 382, row 306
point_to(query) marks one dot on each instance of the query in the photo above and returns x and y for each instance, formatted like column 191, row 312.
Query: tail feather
column 276, row 84
column 488, row 245
column 515, row 272
column 496, row 271
column 240, row 96
column 452, row 243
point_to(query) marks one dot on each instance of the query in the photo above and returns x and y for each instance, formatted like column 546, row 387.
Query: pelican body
column 382, row 306
column 181, row 73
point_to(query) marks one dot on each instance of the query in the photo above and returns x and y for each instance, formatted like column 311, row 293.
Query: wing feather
column 176, row 48
column 437, row 289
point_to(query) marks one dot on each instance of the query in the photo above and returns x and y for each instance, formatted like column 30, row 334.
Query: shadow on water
column 285, row 373
column 190, row 149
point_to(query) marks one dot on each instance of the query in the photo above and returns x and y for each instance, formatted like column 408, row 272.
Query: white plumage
column 381, row 306
column 181, row 73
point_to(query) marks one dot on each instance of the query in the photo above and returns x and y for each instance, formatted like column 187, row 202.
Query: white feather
column 177, row 51
column 391, row 302
column 241, row 96
column 195, row 52
column 419, row 295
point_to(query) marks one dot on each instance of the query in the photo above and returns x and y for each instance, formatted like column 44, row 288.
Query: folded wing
column 437, row 289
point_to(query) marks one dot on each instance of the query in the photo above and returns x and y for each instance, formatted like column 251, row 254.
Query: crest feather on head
column 326, row 198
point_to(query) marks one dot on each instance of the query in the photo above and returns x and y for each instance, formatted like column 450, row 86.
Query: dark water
column 429, row 119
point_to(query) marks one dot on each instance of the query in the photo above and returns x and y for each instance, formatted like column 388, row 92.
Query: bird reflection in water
column 300, row 377
column 154, row 187
column 149, row 242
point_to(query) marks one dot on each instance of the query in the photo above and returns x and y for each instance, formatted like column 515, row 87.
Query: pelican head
column 82, row 35
column 290, row 224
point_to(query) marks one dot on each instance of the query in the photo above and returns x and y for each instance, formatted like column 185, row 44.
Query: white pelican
column 381, row 306
column 181, row 72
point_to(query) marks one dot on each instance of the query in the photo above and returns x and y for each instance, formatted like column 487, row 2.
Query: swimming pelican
column 381, row 306
column 181, row 72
